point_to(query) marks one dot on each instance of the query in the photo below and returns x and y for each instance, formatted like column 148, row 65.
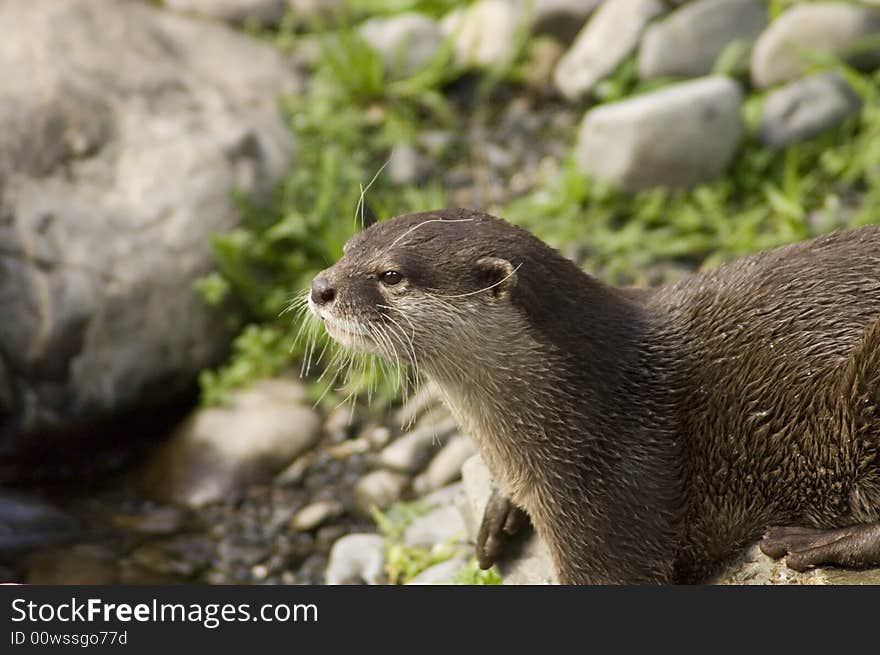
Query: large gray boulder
column 123, row 129
column 235, row 12
column 689, row 40
column 678, row 136
column 782, row 52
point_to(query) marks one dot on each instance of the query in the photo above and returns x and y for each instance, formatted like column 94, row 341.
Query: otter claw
column 501, row 520
column 855, row 546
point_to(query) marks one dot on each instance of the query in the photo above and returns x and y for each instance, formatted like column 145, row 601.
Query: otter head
column 416, row 286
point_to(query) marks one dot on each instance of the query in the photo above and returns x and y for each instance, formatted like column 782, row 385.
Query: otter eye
column 390, row 278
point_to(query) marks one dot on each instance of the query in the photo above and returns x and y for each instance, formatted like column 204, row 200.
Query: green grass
column 403, row 562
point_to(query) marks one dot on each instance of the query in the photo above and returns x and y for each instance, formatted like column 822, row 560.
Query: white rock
column 607, row 39
column 448, row 495
column 410, row 453
column 356, row 558
column 439, row 526
column 123, row 128
column 379, row 489
column 688, row 41
column 781, row 52
column 442, row 573
column 485, row 34
column 219, row 451
column 315, row 514
column 802, row 109
column 678, row 136
column 446, row 465
column 406, row 42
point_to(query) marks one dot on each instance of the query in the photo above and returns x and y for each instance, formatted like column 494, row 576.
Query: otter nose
column 322, row 291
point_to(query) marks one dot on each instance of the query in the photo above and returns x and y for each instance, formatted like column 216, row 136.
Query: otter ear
column 497, row 275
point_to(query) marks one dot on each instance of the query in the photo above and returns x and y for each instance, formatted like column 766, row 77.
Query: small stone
column 439, row 526
column 689, row 40
column 608, row 38
column 678, row 136
column 337, row 424
column 805, row 108
column 446, row 465
column 406, row 42
column 782, row 52
column 485, row 34
column 234, row 12
column 220, row 451
column 295, row 472
column 379, row 489
column 237, row 551
column 316, row 514
column 442, row 573
column 348, row 448
column 356, row 559
column 410, row 453
column 377, row 436
column 157, row 521
column 180, row 556
column 448, row 495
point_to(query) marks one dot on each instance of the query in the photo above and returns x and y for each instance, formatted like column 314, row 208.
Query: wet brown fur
column 648, row 434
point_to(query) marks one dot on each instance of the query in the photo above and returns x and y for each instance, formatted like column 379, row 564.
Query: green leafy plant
column 344, row 128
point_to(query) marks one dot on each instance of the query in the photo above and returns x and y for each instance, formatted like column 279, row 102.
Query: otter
column 646, row 433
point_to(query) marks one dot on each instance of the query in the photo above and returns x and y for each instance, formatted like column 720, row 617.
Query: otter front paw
column 856, row 546
column 501, row 521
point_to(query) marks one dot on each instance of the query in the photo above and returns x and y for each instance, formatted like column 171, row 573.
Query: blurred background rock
column 172, row 174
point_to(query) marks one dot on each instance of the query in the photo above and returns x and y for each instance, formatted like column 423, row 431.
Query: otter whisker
column 411, row 350
column 400, row 377
column 491, row 286
column 430, row 220
column 359, row 209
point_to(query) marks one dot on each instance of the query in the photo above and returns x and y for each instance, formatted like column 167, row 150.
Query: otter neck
column 553, row 409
